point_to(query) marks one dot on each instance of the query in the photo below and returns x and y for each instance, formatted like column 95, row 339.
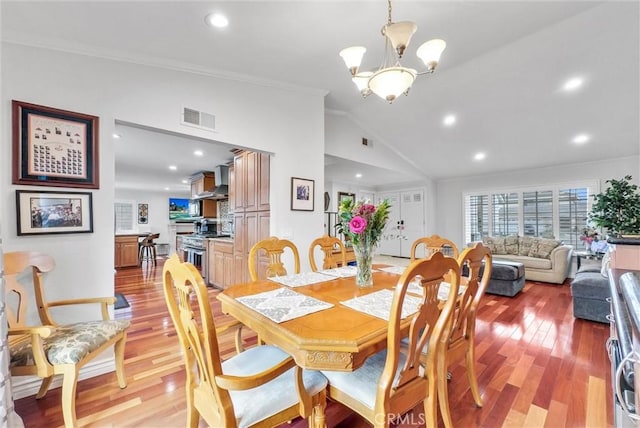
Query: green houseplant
column 617, row 209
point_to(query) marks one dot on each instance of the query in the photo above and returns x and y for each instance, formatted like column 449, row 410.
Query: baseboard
column 24, row 386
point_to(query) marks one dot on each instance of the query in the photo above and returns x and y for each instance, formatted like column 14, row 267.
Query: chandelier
column 392, row 79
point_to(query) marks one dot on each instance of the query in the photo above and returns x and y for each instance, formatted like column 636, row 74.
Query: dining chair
column 328, row 244
column 432, row 244
column 274, row 248
column 261, row 386
column 393, row 381
column 459, row 343
column 147, row 250
column 48, row 348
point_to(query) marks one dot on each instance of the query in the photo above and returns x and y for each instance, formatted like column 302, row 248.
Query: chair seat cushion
column 69, row 344
column 362, row 383
column 253, row 405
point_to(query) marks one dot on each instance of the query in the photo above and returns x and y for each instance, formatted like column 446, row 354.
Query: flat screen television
column 179, row 209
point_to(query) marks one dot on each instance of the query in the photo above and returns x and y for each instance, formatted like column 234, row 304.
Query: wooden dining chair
column 261, row 386
column 274, row 248
column 393, row 381
column 432, row 244
column 48, row 348
column 459, row 343
column 328, row 244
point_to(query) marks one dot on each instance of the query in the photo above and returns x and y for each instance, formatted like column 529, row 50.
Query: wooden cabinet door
column 263, row 182
column 228, row 270
column 251, row 187
column 212, row 278
column 231, row 180
column 130, row 253
column 240, row 177
column 197, row 187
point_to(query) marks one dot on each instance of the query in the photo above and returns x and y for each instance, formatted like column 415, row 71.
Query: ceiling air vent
column 198, row 119
column 366, row 142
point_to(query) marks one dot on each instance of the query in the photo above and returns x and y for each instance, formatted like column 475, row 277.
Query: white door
column 389, row 244
column 411, row 220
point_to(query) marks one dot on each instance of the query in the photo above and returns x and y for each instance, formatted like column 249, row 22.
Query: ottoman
column 590, row 291
column 507, row 278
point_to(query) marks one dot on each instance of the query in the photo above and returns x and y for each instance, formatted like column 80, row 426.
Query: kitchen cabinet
column 251, row 227
column 221, row 270
column 126, row 251
column 251, row 181
column 201, row 183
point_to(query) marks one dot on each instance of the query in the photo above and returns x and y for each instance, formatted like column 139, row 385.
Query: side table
column 586, row 255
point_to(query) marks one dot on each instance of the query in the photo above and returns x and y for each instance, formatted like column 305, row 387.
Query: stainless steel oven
column 194, row 251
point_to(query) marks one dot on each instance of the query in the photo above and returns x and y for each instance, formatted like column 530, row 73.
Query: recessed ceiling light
column 358, row 175
column 198, row 153
column 216, row 20
column 449, row 120
column 581, row 139
column 573, row 84
column 116, row 136
column 166, row 188
column 479, row 156
column 173, row 167
column 185, row 181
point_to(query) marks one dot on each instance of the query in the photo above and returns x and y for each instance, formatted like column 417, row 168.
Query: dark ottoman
column 507, row 278
column 590, row 291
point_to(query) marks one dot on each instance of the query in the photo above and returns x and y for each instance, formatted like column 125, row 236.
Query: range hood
column 221, row 191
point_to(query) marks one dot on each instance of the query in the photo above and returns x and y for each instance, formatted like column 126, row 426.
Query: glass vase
column 364, row 259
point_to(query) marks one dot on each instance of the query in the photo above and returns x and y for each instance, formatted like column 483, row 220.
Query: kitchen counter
column 221, row 239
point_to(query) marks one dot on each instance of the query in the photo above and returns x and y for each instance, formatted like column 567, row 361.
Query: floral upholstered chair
column 49, row 349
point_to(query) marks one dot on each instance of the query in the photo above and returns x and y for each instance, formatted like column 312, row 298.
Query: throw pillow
column 511, row 245
column 490, row 243
column 500, row 247
column 524, row 245
column 542, row 248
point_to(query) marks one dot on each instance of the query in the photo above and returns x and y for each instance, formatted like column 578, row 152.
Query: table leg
column 578, row 258
column 317, row 419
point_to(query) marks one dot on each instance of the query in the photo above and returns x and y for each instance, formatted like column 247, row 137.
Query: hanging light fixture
column 392, row 79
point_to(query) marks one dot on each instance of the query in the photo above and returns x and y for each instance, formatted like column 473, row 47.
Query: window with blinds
column 557, row 212
column 505, row 214
column 124, row 216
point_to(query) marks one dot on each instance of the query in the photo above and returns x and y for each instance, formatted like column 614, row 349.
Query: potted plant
column 617, row 209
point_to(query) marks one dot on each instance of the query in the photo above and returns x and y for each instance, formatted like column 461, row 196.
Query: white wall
column 252, row 116
column 449, row 204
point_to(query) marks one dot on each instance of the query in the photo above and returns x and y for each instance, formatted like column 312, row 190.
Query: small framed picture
column 302, row 194
column 46, row 212
column 345, row 195
column 143, row 213
column 54, row 147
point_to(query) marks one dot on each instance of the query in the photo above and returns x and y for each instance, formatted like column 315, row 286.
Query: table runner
column 283, row 304
column 301, row 279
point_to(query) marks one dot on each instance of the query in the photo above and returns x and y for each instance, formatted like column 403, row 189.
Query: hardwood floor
column 537, row 367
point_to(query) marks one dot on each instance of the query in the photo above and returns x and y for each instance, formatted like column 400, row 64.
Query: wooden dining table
column 337, row 338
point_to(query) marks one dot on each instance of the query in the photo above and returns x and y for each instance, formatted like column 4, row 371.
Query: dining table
column 337, row 337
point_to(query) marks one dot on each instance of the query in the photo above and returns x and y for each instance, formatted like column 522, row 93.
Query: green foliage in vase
column 617, row 209
column 361, row 222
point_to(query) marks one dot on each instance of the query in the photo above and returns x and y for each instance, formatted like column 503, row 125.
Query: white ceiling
column 500, row 75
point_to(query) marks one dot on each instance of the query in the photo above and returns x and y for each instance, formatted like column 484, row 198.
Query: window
column 124, row 216
column 558, row 212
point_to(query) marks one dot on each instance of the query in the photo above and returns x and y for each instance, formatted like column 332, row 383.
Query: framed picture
column 45, row 212
column 54, row 147
column 302, row 194
column 345, row 195
column 143, row 213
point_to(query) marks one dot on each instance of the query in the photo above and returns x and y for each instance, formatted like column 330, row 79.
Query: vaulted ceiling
column 501, row 75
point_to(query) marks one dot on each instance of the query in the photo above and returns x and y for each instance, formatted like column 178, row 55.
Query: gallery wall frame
column 302, row 194
column 346, row 195
column 53, row 147
column 143, row 213
column 50, row 212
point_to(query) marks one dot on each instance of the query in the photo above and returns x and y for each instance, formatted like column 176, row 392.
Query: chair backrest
column 196, row 330
column 328, row 245
column 432, row 244
column 427, row 327
column 16, row 296
column 274, row 248
column 477, row 259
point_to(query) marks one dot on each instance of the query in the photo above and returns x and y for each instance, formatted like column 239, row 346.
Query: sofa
column 545, row 260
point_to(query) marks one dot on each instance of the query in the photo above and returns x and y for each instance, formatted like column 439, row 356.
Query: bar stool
column 148, row 248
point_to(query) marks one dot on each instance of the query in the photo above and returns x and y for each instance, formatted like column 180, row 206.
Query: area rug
column 121, row 302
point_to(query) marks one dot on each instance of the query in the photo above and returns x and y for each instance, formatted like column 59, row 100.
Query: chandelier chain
column 389, row 2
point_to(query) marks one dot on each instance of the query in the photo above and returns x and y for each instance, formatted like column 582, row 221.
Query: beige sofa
column 545, row 260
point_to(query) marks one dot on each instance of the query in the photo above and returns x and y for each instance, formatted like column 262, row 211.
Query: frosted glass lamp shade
column 390, row 82
column 362, row 80
column 430, row 52
column 353, row 57
column 399, row 34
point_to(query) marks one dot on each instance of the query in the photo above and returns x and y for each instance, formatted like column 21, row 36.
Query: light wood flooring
column 537, row 367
